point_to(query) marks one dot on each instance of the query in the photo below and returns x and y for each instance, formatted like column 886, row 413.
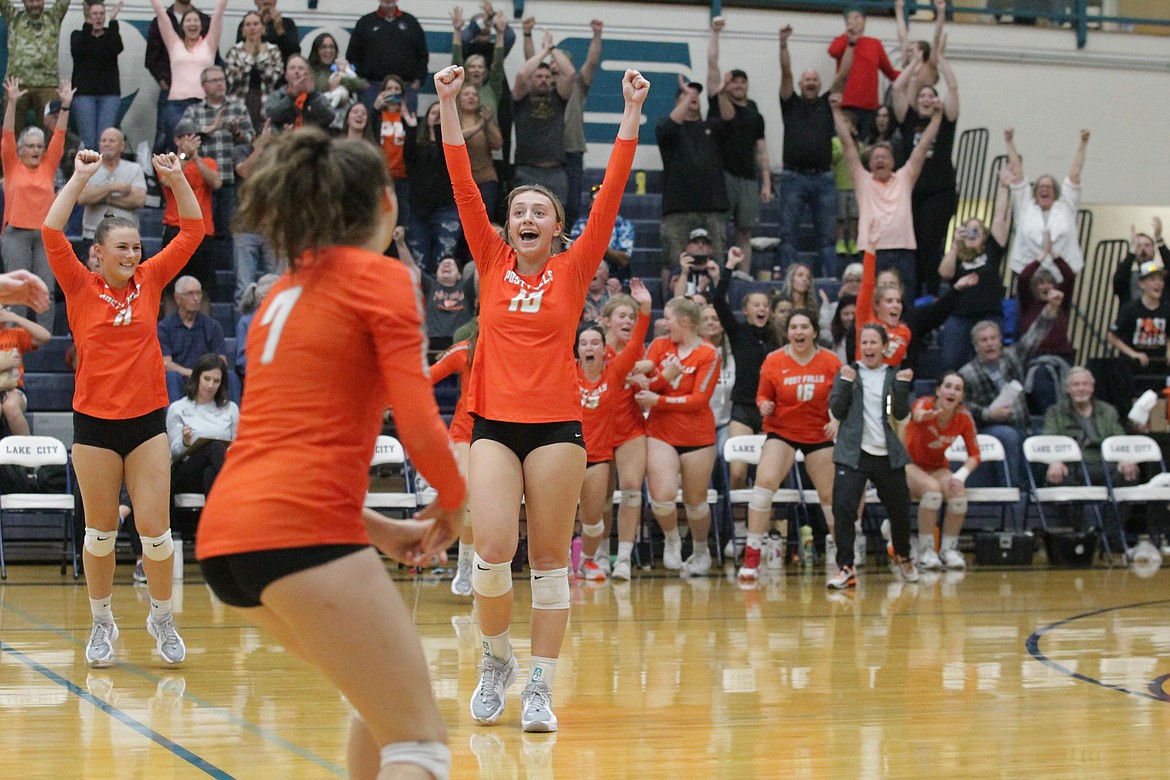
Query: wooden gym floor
column 995, row 673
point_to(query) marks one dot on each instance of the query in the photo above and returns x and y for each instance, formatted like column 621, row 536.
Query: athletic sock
column 673, row 536
column 755, row 541
column 160, row 608
column 100, row 608
column 498, row 647
column 949, row 543
column 466, row 552
column 625, row 550
column 543, row 670
column 925, row 542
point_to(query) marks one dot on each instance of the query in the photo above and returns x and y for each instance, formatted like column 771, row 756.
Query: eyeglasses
column 213, row 79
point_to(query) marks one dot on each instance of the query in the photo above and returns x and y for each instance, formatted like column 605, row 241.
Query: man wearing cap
column 694, row 275
column 539, row 98
column 203, row 174
column 34, row 36
column 743, row 150
column 1142, row 249
column 1139, row 332
column 118, row 189
column 693, row 190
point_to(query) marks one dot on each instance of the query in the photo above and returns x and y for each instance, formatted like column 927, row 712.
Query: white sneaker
column 953, row 559
column 845, row 577
column 536, row 713
column 603, row 563
column 621, row 569
column 858, row 550
column 487, row 702
column 672, row 554
column 461, row 585
column 830, row 552
column 928, row 559
column 100, row 648
column 591, row 572
column 698, row 565
column 906, row 569
column 167, row 640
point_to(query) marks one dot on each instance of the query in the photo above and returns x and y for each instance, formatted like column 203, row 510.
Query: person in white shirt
column 200, row 425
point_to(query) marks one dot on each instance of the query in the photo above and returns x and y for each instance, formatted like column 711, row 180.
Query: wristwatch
column 183, row 156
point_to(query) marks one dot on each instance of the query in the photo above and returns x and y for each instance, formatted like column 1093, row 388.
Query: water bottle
column 575, row 554
column 777, row 273
column 178, row 541
column 775, row 545
column 807, row 555
column 640, row 183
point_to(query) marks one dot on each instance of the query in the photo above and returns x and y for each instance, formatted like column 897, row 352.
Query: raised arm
column 456, row 16
column 903, row 31
column 903, row 88
column 85, row 166
column 1003, row 198
column 844, row 66
column 1074, row 173
column 913, row 165
column 714, row 77
column 15, row 93
column 527, row 26
column 1015, row 165
column 565, row 73
column 215, row 29
column 520, row 87
column 786, row 80
column 169, row 36
column 848, row 147
column 951, row 101
column 593, row 55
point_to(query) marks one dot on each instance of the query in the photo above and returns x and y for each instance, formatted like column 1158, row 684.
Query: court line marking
column 227, row 714
column 126, row 720
column 1155, row 690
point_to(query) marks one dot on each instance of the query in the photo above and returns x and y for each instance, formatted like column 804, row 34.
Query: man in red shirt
column 869, row 56
column 203, row 174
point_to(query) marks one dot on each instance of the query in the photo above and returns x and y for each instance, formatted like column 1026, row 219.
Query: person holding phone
column 694, row 278
column 392, row 136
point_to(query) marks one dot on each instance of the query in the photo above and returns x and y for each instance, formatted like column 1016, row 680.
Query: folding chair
column 1134, row 449
column 1005, row 496
column 388, row 451
column 34, row 452
column 747, row 449
column 1064, row 449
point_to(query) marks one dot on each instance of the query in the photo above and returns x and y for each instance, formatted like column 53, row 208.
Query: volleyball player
column 459, row 359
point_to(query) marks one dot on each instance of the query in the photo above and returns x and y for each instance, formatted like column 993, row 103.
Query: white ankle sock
column 925, row 542
column 466, row 551
column 160, row 608
column 755, row 541
column 949, row 543
column 673, row 536
column 543, row 670
column 100, row 608
column 625, row 550
column 499, row 646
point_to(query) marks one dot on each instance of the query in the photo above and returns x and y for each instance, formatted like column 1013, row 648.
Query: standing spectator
column 187, row 335
column 335, row 77
column 299, row 103
column 934, row 198
column 539, row 98
column 978, row 251
column 34, row 36
column 743, row 150
column 1049, row 365
column 72, row 140
column 1004, row 414
column 1141, row 250
column 447, row 297
column 191, row 52
column 483, row 139
column 861, row 86
column 483, row 54
column 387, row 41
column 395, row 116
column 202, row 173
column 118, row 189
column 252, row 67
column 95, row 49
column 17, row 336
column 621, row 241
column 693, row 191
column 1045, row 207
column 575, row 121
column 277, row 29
column 433, row 228
column 29, row 171
column 252, row 255
column 807, row 180
column 884, row 195
column 1139, row 332
column 158, row 61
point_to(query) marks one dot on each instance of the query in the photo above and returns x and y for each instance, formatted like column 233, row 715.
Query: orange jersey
column 22, row 341
column 683, row 416
column 393, row 138
column 599, row 399
column 348, row 323
column 455, row 359
column 119, row 362
column 800, row 392
column 202, row 192
column 524, row 370
column 927, row 443
column 629, row 421
column 894, row 352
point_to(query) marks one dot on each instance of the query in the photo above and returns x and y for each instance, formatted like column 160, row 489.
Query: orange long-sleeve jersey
column 895, row 351
column 599, row 399
column 927, row 442
column 119, row 362
column 629, row 421
column 683, row 417
column 451, row 361
column 800, row 392
column 524, row 370
column 335, row 342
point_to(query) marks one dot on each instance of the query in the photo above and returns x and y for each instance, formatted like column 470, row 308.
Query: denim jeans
column 903, row 261
column 253, row 258
column 94, row 114
column 954, row 339
column 169, row 114
column 817, row 192
column 433, row 237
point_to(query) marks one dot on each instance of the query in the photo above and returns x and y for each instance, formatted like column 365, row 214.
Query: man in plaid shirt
column 994, row 367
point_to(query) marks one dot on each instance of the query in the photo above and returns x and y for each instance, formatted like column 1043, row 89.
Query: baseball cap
column 1150, row 267
column 185, row 127
column 739, row 74
column 52, row 107
column 699, row 233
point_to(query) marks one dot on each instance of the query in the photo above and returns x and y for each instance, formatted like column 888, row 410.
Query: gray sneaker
column 167, row 640
column 100, row 648
column 536, row 713
column 461, row 585
column 487, row 703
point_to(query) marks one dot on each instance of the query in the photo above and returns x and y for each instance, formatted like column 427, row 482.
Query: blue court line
column 118, row 715
column 1155, row 690
column 251, row 728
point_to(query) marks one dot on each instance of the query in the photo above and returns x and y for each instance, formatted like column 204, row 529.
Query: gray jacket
column 846, row 401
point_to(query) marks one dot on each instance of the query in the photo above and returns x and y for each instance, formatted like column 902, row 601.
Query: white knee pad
column 434, row 757
column 594, row 530
column 100, row 543
column 662, row 508
column 697, row 511
column 550, row 588
column 931, row 500
column 490, row 579
column 632, row 498
column 957, row 505
column 761, row 500
column 158, row 548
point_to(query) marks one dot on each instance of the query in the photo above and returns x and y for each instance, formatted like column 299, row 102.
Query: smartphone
column 333, row 68
column 394, row 99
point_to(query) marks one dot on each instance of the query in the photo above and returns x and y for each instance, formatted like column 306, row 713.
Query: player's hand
column 24, row 288
column 635, row 87
column 445, row 530
column 848, row 373
column 448, row 82
column 766, row 408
